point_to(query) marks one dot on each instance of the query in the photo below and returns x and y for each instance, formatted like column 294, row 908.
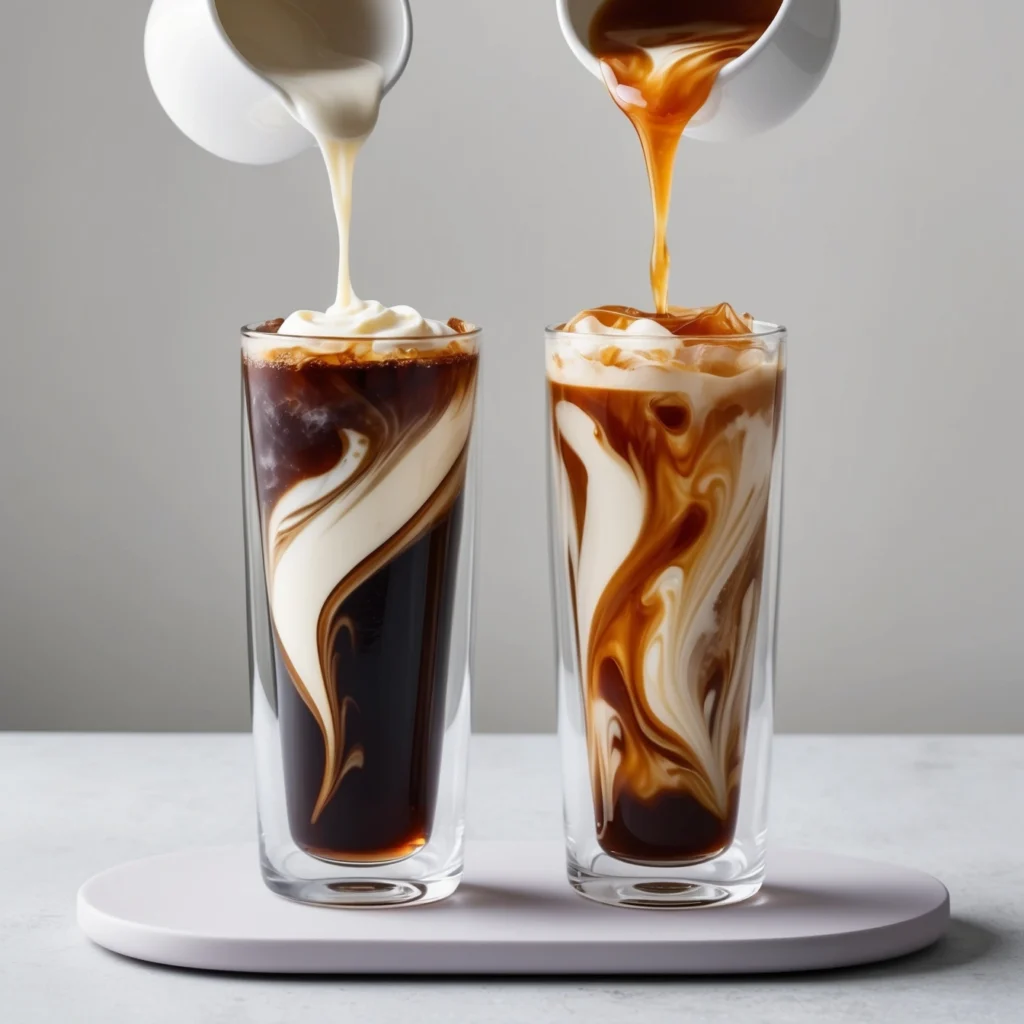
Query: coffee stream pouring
column 206, row 78
column 754, row 92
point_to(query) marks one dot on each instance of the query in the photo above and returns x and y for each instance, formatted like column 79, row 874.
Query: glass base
column 659, row 894
column 362, row 892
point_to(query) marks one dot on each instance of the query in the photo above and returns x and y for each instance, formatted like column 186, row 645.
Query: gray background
column 883, row 225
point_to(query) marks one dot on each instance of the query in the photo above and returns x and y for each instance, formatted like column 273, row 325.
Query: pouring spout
column 202, row 68
column 759, row 89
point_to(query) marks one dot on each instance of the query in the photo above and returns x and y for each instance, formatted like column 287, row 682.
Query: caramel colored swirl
column 355, row 463
column 660, row 59
column 701, row 322
column 664, row 460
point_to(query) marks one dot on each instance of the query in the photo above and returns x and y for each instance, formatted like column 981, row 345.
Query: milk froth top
column 622, row 347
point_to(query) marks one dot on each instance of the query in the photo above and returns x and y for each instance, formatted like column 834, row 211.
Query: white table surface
column 72, row 805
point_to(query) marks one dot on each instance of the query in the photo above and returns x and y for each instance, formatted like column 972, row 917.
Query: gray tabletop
column 72, row 805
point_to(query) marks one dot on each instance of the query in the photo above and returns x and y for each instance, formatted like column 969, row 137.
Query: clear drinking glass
column 360, row 501
column 665, row 510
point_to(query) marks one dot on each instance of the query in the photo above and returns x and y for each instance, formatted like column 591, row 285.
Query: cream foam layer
column 362, row 319
column 648, row 357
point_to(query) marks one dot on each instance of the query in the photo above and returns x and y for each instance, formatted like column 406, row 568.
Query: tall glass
column 665, row 508
column 360, row 501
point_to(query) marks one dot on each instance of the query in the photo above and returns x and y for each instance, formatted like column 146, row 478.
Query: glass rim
column 255, row 331
column 777, row 331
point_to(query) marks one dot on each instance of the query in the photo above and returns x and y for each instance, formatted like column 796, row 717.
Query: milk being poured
column 337, row 98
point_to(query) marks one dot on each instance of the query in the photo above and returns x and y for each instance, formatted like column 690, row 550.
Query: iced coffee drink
column 358, row 439
column 664, row 432
column 665, row 446
column 360, row 465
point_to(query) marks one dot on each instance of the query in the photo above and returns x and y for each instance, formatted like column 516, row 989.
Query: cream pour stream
column 337, row 98
column 322, row 529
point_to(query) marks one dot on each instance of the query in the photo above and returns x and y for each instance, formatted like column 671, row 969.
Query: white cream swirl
column 337, row 97
column 366, row 319
column 645, row 356
column 641, row 328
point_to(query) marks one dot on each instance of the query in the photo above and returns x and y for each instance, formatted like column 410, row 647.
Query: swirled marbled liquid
column 663, row 468
column 359, row 465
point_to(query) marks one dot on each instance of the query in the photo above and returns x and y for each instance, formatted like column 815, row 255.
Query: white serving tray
column 514, row 914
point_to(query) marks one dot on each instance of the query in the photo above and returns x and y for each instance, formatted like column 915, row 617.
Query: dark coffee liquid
column 393, row 666
column 384, row 642
column 671, row 829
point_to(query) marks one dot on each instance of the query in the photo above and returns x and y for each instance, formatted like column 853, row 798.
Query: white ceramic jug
column 222, row 103
column 757, row 91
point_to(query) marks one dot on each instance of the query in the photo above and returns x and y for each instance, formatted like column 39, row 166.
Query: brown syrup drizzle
column 661, row 99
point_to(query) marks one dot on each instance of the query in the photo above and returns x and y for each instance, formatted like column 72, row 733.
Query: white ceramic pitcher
column 757, row 91
column 222, row 103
